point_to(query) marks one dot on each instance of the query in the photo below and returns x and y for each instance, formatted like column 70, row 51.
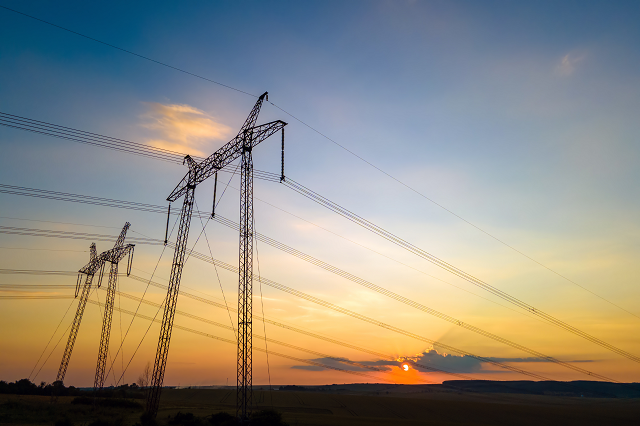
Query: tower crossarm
column 116, row 254
column 199, row 172
column 93, row 266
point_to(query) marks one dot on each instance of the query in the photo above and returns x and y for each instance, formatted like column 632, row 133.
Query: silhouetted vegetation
column 100, row 422
column 186, row 419
column 267, row 418
column 107, row 402
column 26, row 387
column 63, row 422
column 222, row 419
column 293, row 388
column 146, row 420
column 258, row 418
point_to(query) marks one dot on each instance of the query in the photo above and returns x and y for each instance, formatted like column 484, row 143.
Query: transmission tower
column 247, row 138
column 113, row 256
column 96, row 263
column 90, row 269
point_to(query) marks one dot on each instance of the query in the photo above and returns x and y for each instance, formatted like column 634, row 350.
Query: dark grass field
column 346, row 407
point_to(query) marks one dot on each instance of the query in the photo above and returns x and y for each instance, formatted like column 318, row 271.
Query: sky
column 500, row 137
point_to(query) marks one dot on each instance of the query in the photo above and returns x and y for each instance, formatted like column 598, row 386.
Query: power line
column 50, row 339
column 37, row 249
column 452, row 269
column 548, row 318
column 263, row 319
column 129, row 52
column 405, row 300
column 224, row 298
column 50, row 233
column 337, row 144
column 158, row 311
column 107, row 202
column 62, row 132
column 264, row 324
column 35, row 297
column 226, row 327
column 336, row 308
column 299, row 330
column 172, row 156
column 134, row 315
column 60, row 223
column 233, row 342
column 401, row 299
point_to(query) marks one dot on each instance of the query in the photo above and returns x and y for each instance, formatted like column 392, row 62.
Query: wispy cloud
column 569, row 62
column 182, row 128
column 342, row 363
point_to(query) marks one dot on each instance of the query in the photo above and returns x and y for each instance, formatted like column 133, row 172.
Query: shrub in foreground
column 222, row 419
column 267, row 418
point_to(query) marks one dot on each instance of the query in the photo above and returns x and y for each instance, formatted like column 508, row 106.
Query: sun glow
column 405, row 367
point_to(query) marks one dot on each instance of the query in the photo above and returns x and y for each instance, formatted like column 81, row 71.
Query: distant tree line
column 27, row 387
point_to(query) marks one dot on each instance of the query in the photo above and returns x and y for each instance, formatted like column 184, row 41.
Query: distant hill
column 576, row 388
column 581, row 388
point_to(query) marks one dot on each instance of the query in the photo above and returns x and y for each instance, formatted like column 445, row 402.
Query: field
column 347, row 407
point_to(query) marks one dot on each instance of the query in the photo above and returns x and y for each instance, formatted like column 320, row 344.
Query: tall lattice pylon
column 248, row 137
column 113, row 256
column 244, row 391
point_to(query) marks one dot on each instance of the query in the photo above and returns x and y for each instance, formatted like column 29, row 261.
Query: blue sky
column 521, row 117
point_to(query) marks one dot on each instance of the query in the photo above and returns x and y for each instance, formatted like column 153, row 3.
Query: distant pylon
column 113, row 256
column 95, row 263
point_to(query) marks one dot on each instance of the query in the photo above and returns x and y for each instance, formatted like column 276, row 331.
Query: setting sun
column 405, row 367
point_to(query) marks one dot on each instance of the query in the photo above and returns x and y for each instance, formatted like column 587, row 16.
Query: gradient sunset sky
column 519, row 117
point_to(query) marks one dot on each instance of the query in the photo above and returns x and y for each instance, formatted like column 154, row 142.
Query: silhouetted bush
column 267, row 418
column 147, row 420
column 26, row 387
column 63, row 422
column 222, row 419
column 185, row 419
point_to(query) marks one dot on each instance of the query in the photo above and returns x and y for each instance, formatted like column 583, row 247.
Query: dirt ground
column 429, row 408
column 336, row 408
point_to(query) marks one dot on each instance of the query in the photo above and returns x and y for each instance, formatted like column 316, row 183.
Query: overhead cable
column 233, row 342
column 452, row 269
column 259, row 318
column 334, row 142
column 368, row 285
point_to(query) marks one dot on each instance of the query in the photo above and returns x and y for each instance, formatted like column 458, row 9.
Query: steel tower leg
column 244, row 389
column 103, row 352
column 75, row 326
column 153, row 399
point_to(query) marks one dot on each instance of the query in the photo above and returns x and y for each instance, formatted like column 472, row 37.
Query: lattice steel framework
column 162, row 352
column 89, row 270
column 247, row 138
column 244, row 391
column 96, row 263
column 113, row 256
